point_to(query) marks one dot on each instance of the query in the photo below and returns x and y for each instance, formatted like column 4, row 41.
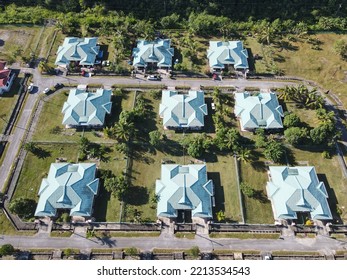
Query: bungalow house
column 153, row 54
column 84, row 108
column 227, row 55
column 82, row 51
column 68, row 187
column 296, row 193
column 258, row 111
column 184, row 192
column 6, row 78
column 180, row 111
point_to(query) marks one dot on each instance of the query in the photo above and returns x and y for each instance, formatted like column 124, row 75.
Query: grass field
column 258, row 209
column 300, row 58
column 7, row 101
column 14, row 37
column 35, row 168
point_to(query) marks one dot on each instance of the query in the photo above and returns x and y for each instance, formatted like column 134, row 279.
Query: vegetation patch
column 188, row 235
column 245, row 235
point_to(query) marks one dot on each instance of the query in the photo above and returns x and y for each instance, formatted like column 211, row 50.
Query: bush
column 326, row 155
column 132, row 251
column 194, row 251
column 6, row 250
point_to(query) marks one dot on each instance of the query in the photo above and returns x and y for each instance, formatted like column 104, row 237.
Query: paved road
column 322, row 244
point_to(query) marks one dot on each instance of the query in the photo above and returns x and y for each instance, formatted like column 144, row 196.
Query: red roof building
column 6, row 78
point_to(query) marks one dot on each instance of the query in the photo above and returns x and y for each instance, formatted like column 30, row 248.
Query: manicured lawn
column 34, row 168
column 223, row 173
column 258, row 209
column 52, row 117
column 329, row 171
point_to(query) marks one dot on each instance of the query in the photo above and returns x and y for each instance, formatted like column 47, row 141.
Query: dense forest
column 239, row 10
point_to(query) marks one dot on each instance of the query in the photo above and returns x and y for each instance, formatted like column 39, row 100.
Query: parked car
column 31, row 87
column 58, row 85
column 153, row 78
column 46, row 90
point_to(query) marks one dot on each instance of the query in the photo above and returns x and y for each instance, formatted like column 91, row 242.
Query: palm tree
column 124, row 130
column 244, row 154
column 231, row 139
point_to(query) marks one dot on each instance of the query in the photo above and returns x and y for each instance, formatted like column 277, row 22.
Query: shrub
column 6, row 250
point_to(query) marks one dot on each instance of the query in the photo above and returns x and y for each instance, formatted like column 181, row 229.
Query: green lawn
column 258, row 209
column 223, row 173
column 35, row 168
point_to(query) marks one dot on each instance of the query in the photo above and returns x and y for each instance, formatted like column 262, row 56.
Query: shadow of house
column 332, row 200
column 251, row 60
column 219, row 199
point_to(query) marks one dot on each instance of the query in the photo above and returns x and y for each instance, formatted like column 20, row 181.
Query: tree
column 30, row 147
column 198, row 145
column 244, row 154
column 6, row 250
column 124, row 130
column 260, row 138
column 154, row 138
column 274, row 151
column 291, row 120
column 84, row 144
column 118, row 186
column 23, row 207
column 296, row 135
column 340, row 47
column 247, row 190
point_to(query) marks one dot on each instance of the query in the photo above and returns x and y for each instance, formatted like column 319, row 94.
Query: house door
column 184, row 216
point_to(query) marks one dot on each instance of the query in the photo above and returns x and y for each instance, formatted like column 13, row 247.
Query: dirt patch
column 10, row 38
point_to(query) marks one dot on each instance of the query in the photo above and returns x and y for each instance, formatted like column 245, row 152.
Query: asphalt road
column 322, row 244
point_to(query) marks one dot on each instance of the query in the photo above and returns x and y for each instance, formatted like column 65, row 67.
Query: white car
column 31, row 87
column 46, row 90
column 153, row 78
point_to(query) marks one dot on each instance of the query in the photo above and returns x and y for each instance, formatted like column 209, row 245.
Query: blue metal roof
column 68, row 186
column 297, row 189
column 184, row 187
column 84, row 108
column 183, row 110
column 158, row 51
column 227, row 53
column 262, row 110
column 84, row 50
